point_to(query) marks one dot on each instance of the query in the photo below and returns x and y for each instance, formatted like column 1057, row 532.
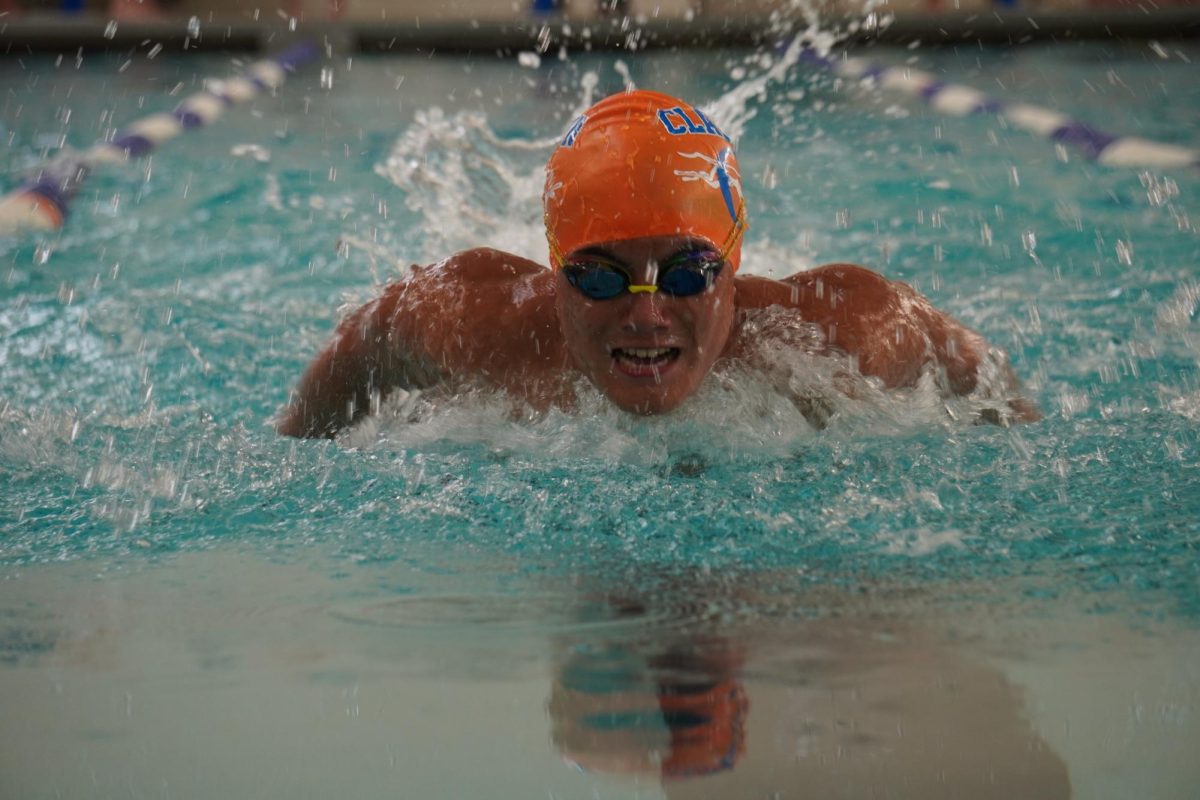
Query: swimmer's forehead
column 671, row 243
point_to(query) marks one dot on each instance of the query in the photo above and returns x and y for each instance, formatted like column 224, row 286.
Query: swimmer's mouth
column 639, row 360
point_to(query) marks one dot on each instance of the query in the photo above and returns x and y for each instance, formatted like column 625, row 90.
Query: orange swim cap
column 643, row 164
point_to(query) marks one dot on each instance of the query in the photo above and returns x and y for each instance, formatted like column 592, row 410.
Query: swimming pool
column 450, row 603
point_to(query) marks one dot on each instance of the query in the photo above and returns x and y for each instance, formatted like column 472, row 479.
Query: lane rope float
column 958, row 100
column 43, row 200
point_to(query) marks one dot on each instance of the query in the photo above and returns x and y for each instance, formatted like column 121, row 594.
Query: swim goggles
column 683, row 275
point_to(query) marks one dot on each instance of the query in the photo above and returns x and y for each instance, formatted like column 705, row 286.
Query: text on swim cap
column 677, row 122
column 573, row 131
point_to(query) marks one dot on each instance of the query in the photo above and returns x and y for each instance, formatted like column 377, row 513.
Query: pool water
column 449, row 602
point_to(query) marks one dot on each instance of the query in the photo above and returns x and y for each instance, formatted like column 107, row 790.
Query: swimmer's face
column 647, row 352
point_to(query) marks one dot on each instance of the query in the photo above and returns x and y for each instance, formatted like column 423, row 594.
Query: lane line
column 42, row 202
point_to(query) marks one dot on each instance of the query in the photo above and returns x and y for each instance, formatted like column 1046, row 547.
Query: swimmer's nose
column 644, row 312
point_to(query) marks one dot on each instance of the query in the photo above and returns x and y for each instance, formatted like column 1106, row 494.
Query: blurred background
column 23, row 21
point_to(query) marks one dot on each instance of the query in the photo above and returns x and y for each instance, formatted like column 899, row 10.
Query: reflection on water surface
column 228, row 674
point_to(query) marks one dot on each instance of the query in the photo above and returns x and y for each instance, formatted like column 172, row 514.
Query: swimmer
column 645, row 219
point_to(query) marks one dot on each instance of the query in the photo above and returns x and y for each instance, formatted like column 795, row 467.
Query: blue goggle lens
column 601, row 281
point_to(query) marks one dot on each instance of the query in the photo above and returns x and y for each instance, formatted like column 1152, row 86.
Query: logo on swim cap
column 721, row 173
column 573, row 131
column 643, row 164
column 678, row 123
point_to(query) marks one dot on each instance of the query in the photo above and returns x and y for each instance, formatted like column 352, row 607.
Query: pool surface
column 723, row 602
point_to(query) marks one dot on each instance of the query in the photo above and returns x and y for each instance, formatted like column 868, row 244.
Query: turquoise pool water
column 191, row 605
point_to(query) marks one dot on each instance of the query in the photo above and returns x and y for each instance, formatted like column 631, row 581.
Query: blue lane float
column 42, row 202
column 960, row 101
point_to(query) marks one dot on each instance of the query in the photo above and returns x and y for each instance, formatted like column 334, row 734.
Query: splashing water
column 467, row 185
column 152, row 523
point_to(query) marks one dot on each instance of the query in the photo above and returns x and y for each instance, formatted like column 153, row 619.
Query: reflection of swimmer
column 846, row 706
column 681, row 713
column 645, row 218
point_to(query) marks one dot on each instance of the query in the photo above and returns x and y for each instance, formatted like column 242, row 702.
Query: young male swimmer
column 645, row 219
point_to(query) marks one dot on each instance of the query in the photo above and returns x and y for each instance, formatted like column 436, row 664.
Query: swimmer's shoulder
column 818, row 291
column 480, row 265
column 478, row 306
column 481, row 275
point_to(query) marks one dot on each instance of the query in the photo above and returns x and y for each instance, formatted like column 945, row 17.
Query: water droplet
column 1125, row 252
column 1159, row 191
column 529, row 60
column 41, row 253
column 985, row 233
column 770, row 179
column 110, row 30
column 326, row 77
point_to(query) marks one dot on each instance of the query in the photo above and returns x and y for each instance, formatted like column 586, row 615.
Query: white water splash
column 788, row 390
column 734, row 109
column 468, row 186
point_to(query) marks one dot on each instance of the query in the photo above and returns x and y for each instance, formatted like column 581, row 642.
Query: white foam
column 469, row 186
column 789, row 389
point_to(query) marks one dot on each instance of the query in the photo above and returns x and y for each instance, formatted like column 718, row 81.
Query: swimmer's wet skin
column 645, row 220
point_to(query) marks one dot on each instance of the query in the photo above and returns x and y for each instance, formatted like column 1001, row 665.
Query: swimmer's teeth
column 644, row 354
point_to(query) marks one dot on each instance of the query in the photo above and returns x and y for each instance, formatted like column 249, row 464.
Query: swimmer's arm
column 962, row 353
column 361, row 363
column 888, row 327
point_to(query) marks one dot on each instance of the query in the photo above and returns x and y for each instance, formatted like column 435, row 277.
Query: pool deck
column 33, row 33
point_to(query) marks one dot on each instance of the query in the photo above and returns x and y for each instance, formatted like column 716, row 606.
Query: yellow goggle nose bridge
column 639, row 288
